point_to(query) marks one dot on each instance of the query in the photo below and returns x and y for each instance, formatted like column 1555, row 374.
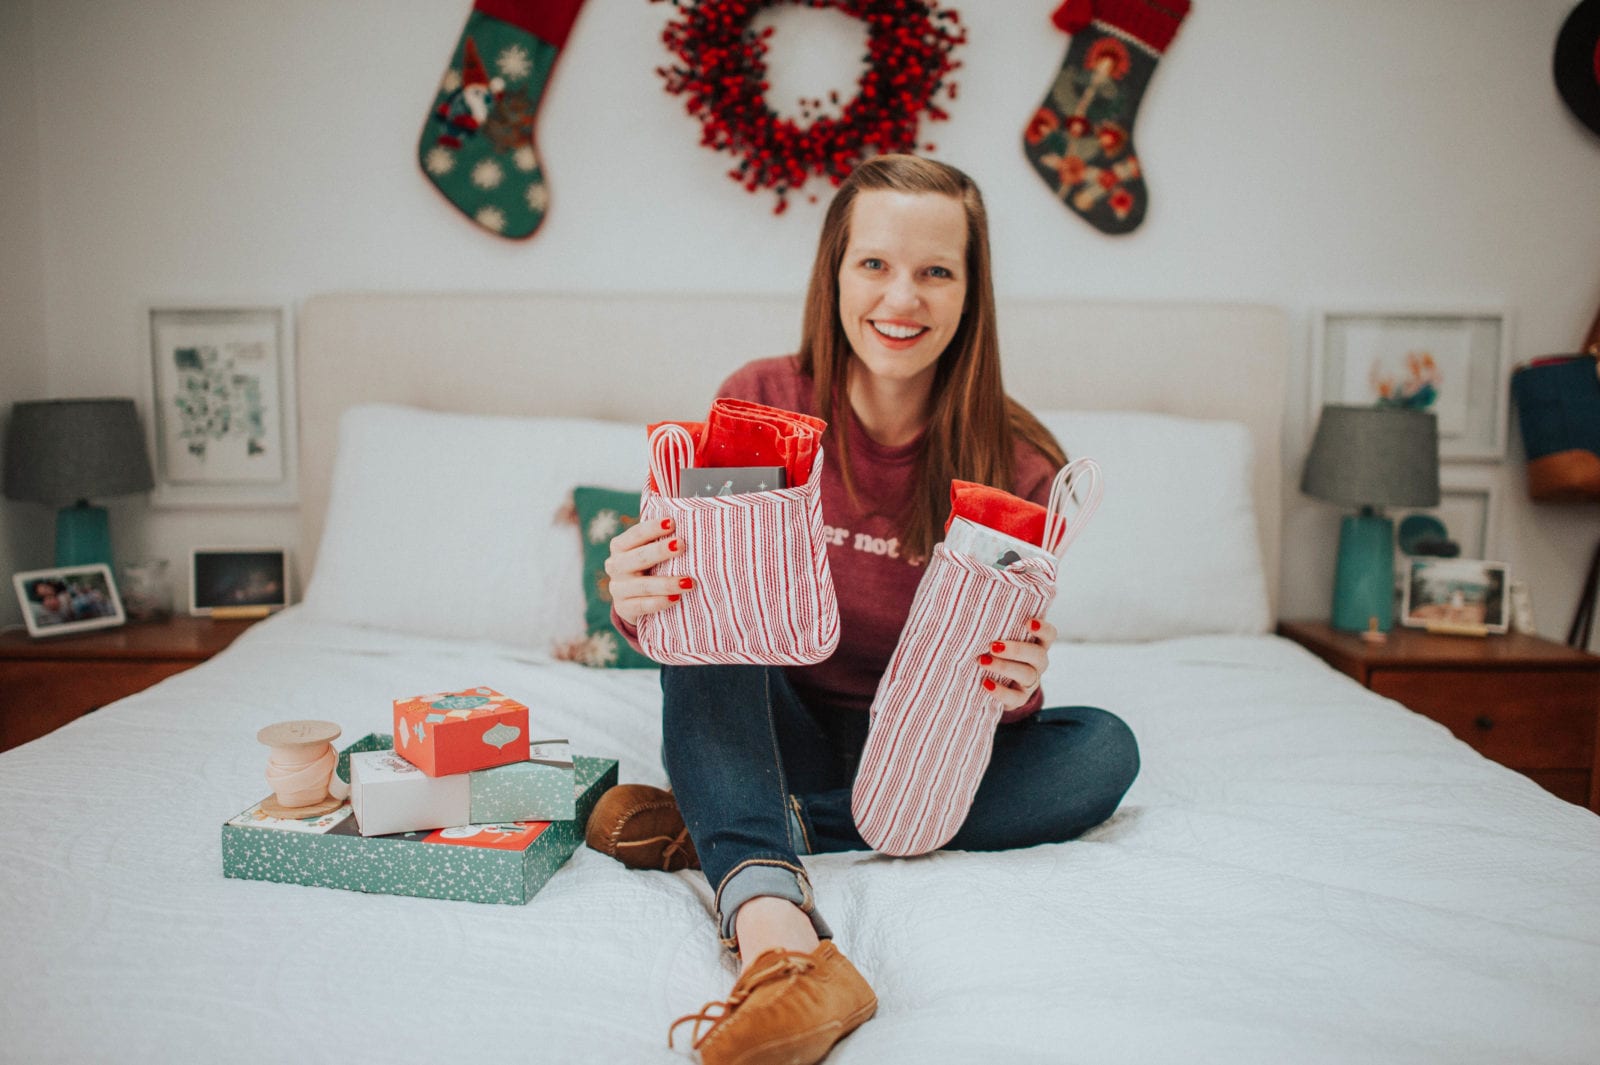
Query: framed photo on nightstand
column 238, row 581
column 1459, row 593
column 68, row 599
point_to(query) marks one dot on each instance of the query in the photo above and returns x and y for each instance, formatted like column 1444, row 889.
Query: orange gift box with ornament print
column 457, row 732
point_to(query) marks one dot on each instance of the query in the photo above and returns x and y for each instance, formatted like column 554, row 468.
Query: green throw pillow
column 602, row 514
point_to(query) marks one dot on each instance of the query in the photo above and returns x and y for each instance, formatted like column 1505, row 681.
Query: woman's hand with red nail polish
column 1016, row 666
column 635, row 553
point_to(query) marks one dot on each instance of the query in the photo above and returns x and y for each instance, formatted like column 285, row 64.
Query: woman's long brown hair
column 972, row 423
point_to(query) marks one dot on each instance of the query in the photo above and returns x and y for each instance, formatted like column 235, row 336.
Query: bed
column 1303, row 871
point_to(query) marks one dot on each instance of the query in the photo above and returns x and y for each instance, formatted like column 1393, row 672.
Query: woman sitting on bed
column 899, row 355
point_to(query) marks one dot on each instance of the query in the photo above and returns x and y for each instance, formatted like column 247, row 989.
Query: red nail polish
column 673, row 598
column 988, row 685
column 672, row 545
column 666, row 523
column 997, row 647
column 1033, row 626
column 986, row 660
column 686, row 582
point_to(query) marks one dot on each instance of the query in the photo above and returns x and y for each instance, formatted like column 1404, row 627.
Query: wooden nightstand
column 44, row 683
column 1528, row 703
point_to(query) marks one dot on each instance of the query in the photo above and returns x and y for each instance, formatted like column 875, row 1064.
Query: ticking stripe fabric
column 932, row 722
column 763, row 593
column 932, row 728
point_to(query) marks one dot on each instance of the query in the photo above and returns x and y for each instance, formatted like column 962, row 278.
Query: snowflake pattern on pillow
column 600, row 514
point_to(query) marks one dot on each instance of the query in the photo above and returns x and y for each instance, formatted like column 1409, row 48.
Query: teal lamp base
column 83, row 535
column 1363, row 587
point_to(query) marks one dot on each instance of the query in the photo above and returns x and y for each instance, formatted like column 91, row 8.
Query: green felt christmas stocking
column 1081, row 138
column 477, row 144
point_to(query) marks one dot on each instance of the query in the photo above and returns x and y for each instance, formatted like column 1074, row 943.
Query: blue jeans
column 762, row 776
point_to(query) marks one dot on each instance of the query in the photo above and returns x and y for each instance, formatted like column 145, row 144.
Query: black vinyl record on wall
column 1577, row 63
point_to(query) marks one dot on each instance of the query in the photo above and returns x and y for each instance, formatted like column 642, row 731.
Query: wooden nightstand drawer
column 46, row 683
column 1523, row 720
column 1569, row 784
column 1525, row 702
column 41, row 696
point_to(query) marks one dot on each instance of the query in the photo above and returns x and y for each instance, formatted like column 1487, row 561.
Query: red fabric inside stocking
column 741, row 433
column 994, row 509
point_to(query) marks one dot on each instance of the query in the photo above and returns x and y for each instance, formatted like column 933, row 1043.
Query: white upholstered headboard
column 648, row 358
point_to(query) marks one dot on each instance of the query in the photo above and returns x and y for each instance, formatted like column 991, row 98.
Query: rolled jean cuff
column 765, row 877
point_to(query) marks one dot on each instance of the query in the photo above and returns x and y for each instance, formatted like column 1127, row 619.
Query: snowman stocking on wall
column 477, row 144
column 1081, row 138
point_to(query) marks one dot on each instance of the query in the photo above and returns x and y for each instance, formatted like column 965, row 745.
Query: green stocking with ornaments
column 477, row 143
column 1081, row 139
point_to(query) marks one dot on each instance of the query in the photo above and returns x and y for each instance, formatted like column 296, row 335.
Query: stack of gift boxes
column 461, row 758
column 458, row 804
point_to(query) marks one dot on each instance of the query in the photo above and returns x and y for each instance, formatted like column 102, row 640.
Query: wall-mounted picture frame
column 1453, row 363
column 238, row 581
column 222, row 420
column 68, row 599
column 1459, row 593
column 1469, row 509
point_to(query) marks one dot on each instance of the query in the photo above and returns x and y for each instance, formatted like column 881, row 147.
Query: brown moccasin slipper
column 641, row 827
column 788, row 1007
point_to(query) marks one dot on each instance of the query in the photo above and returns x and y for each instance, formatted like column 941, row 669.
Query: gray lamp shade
column 61, row 450
column 1374, row 456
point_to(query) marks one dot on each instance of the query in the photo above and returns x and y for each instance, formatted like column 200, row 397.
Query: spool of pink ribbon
column 301, row 768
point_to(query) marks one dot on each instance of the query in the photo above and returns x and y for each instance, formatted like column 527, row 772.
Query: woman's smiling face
column 903, row 281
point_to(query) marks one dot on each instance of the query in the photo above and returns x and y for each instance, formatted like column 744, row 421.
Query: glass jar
column 146, row 591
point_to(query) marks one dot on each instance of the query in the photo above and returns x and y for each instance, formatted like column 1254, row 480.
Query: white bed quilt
column 1302, row 872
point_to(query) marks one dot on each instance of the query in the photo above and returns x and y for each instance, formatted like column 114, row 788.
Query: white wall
column 1300, row 153
column 25, row 528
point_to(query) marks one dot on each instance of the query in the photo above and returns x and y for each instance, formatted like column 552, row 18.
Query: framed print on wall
column 222, row 406
column 1452, row 363
column 1468, row 510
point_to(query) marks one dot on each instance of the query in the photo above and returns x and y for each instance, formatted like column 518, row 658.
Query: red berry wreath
column 722, row 70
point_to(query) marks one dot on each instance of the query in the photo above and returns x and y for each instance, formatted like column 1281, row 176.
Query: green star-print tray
column 504, row 863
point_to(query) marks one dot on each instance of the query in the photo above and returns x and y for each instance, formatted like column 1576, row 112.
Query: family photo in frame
column 68, row 599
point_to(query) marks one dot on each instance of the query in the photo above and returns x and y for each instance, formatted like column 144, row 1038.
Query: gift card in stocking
column 1081, row 139
column 477, row 145
column 935, row 712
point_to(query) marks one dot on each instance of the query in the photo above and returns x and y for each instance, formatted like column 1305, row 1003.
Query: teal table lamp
column 63, row 452
column 1371, row 458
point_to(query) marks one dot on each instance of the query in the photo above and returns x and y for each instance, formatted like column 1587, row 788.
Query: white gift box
column 389, row 794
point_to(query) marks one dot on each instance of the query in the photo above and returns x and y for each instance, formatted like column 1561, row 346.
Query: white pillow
column 1173, row 549
column 453, row 524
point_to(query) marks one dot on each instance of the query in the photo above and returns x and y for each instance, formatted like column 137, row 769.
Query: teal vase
column 1363, row 586
column 83, row 535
